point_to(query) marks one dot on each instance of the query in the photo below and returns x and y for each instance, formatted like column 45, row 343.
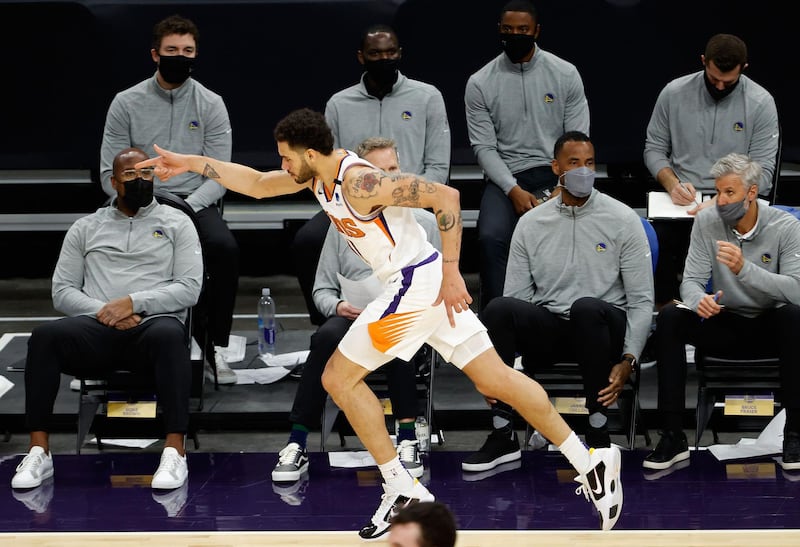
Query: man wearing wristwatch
column 579, row 287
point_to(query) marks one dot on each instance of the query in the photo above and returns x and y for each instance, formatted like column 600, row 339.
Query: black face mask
column 138, row 193
column 383, row 71
column 175, row 69
column 517, row 46
column 719, row 94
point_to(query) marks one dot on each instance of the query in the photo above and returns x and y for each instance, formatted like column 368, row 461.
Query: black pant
column 496, row 222
column 309, row 399
column 82, row 346
column 221, row 258
column 727, row 334
column 673, row 245
column 306, row 249
column 593, row 337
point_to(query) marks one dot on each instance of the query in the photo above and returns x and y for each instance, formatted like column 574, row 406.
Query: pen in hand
column 716, row 299
column 688, row 193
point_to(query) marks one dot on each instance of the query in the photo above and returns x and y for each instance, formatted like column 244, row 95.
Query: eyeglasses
column 146, row 173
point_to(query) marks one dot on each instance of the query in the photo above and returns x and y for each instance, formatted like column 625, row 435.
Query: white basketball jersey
column 387, row 239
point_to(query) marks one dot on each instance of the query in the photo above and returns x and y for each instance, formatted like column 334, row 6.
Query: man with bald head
column 125, row 278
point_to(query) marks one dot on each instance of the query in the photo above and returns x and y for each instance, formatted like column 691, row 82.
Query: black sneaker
column 497, row 449
column 791, row 451
column 671, row 449
column 598, row 437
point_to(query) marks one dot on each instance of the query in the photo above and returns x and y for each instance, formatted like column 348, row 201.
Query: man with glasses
column 125, row 278
column 173, row 109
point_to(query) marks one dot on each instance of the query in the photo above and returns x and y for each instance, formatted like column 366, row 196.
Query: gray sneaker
column 408, row 452
column 292, row 462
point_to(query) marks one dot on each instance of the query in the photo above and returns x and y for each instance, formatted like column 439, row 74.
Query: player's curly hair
column 305, row 128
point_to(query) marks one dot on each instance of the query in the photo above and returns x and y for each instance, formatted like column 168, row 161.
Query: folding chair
column 720, row 376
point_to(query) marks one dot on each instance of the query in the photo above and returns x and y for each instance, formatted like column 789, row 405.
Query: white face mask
column 579, row 181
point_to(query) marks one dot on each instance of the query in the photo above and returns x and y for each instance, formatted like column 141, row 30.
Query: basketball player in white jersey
column 425, row 300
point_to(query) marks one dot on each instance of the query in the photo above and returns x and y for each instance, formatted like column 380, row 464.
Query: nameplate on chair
column 749, row 405
column 749, row 471
column 131, row 409
column 570, row 405
column 387, row 406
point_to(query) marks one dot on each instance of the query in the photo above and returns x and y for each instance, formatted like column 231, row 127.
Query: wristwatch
column 630, row 360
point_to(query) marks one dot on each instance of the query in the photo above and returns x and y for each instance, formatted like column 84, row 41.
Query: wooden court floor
column 466, row 538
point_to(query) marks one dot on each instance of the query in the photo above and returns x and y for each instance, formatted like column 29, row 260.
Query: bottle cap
column 265, row 291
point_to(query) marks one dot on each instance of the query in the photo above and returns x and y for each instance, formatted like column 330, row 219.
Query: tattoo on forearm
column 448, row 220
column 209, row 172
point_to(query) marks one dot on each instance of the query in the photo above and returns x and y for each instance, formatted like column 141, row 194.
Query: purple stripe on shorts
column 408, row 275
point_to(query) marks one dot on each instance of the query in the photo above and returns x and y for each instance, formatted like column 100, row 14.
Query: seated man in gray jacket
column 125, row 277
column 579, row 286
column 751, row 253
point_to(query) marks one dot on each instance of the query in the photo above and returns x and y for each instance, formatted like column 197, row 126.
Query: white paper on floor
column 127, row 443
column 235, row 351
column 359, row 458
column 263, row 375
column 769, row 441
column 286, row 360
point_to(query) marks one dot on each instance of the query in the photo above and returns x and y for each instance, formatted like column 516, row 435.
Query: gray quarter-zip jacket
column 190, row 119
column 154, row 257
column 771, row 274
column 689, row 131
column 516, row 112
column 561, row 253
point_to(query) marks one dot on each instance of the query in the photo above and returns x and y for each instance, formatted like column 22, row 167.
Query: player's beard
column 305, row 174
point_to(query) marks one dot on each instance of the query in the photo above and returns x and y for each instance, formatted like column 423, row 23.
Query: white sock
column 576, row 452
column 397, row 476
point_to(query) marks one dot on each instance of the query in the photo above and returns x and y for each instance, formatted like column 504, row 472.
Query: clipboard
column 660, row 206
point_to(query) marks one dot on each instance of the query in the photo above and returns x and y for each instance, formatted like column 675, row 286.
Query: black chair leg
column 705, row 405
column 86, row 414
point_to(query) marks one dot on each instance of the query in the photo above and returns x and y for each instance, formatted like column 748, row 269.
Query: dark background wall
column 64, row 61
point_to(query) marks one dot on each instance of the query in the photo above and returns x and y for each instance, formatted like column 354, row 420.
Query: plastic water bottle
column 423, row 433
column 266, row 323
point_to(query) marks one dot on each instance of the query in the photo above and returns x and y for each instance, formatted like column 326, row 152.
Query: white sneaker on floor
column 225, row 375
column 36, row 466
column 408, row 452
column 391, row 502
column 172, row 471
column 602, row 484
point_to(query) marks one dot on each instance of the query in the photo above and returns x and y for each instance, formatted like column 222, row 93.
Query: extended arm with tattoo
column 233, row 176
